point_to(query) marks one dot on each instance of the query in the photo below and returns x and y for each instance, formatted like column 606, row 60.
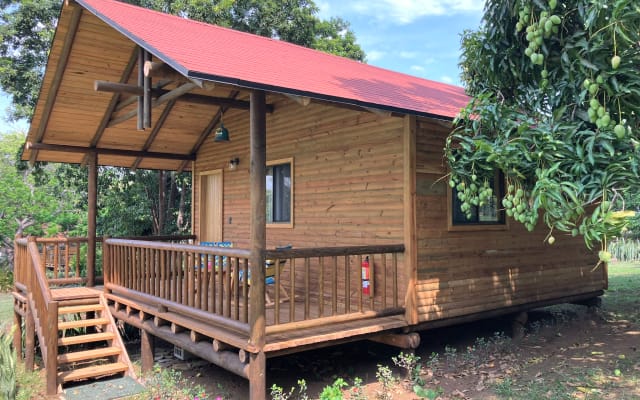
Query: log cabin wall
column 348, row 177
column 474, row 270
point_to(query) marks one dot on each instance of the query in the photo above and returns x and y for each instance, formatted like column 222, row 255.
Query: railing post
column 51, row 362
column 107, row 269
column 92, row 198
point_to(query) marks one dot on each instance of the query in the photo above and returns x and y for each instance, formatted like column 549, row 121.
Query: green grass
column 622, row 300
column 6, row 310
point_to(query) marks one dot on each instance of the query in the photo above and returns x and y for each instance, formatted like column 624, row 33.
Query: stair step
column 92, row 372
column 80, row 339
column 79, row 309
column 81, row 323
column 88, row 354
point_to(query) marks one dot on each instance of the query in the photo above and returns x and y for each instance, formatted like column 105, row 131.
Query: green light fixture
column 222, row 134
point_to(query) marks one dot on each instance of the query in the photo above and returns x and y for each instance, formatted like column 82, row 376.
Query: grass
column 618, row 378
column 6, row 310
column 622, row 300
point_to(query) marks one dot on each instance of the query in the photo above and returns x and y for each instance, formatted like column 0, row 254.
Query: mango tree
column 556, row 104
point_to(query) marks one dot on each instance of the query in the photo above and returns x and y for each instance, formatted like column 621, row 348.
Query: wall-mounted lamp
column 233, row 164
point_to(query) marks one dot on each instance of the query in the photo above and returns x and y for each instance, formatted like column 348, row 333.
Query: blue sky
column 417, row 37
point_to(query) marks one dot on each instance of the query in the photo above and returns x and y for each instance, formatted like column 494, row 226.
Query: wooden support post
column 257, row 184
column 51, row 362
column 219, row 346
column 140, row 109
column 517, row 325
column 410, row 220
column 17, row 335
column 409, row 341
column 146, row 97
column 196, row 336
column 243, row 356
column 146, row 350
column 30, row 341
column 92, row 165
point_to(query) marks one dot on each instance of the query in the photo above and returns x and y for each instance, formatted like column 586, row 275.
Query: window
column 280, row 193
column 490, row 213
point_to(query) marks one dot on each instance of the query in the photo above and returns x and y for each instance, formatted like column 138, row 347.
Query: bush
column 7, row 366
column 6, row 280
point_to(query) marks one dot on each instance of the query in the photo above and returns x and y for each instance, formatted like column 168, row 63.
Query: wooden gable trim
column 57, row 77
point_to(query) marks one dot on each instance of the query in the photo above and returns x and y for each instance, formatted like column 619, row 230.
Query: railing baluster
column 383, row 262
column 347, row 285
column 307, row 288
column 360, row 308
column 321, row 296
column 334, row 286
column 372, row 285
column 395, row 279
column 292, row 289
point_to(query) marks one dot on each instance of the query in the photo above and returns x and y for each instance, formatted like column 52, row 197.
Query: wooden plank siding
column 471, row 271
column 348, row 182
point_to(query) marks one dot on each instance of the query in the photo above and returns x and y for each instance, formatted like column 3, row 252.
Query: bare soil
column 567, row 352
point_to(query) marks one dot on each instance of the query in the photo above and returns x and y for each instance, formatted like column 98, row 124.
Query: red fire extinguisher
column 365, row 276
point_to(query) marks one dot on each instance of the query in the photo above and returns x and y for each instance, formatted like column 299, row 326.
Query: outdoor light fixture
column 233, row 164
column 222, row 134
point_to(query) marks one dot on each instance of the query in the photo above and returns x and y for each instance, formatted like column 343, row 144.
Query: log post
column 517, row 325
column 146, row 350
column 17, row 335
column 51, row 363
column 30, row 341
column 92, row 165
column 257, row 320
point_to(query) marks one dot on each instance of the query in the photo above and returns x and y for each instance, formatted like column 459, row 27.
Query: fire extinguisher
column 365, row 276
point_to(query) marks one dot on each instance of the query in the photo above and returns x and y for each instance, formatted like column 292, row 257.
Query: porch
column 197, row 297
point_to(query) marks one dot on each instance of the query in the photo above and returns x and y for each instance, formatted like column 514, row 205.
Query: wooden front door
column 210, row 227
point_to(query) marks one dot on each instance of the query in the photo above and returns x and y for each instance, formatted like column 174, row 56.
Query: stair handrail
column 43, row 307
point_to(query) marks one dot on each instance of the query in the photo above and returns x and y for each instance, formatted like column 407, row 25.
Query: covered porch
column 197, row 297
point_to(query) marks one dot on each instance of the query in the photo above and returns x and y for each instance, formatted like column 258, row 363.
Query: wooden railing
column 206, row 279
column 31, row 280
column 320, row 284
column 64, row 258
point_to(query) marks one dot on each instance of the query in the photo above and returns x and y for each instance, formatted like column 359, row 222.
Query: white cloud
column 446, row 79
column 417, row 68
column 407, row 54
column 406, row 11
column 375, row 55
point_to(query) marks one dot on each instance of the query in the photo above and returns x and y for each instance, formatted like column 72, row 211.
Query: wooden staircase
column 89, row 344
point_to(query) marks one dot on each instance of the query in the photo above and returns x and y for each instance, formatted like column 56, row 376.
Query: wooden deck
column 287, row 338
column 75, row 293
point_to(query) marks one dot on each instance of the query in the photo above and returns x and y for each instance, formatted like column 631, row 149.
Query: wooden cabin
column 324, row 219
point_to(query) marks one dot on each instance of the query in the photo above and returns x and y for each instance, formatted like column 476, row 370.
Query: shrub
column 7, row 366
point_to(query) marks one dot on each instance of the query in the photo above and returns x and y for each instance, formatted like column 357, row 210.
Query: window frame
column 500, row 225
column 290, row 223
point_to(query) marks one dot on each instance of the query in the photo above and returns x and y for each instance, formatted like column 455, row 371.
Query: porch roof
column 100, row 45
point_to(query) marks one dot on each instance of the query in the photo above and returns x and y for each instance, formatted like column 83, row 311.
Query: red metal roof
column 210, row 52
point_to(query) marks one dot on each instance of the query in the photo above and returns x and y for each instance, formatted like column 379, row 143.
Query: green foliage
column 7, row 366
column 26, row 30
column 6, row 280
column 623, row 249
column 169, row 384
column 554, row 109
column 277, row 393
column 333, row 392
column 31, row 203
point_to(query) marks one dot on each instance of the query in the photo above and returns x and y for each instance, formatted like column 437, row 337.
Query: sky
column 416, row 37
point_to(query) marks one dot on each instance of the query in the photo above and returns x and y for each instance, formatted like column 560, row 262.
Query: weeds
column 8, row 389
column 168, row 384
column 384, row 375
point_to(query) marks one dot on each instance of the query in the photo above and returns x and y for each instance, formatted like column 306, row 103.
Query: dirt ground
column 567, row 352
